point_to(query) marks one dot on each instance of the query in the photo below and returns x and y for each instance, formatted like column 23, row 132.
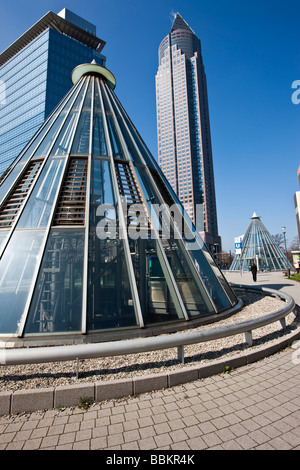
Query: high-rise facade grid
column 35, row 75
column 183, row 128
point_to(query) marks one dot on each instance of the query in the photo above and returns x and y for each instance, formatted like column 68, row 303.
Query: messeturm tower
column 183, row 126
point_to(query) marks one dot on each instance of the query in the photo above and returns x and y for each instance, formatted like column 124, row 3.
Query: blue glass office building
column 35, row 75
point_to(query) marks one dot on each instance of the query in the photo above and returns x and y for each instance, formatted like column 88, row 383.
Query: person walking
column 254, row 271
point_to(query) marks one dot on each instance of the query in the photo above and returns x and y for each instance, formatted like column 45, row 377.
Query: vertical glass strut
column 112, row 301
column 208, row 282
column 83, row 143
column 164, row 291
column 36, row 284
column 146, row 159
column 99, row 142
column 57, row 292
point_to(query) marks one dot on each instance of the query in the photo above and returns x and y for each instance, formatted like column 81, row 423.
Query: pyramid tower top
column 255, row 216
column 180, row 23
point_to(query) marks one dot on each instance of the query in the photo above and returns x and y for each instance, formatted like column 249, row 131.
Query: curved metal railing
column 139, row 345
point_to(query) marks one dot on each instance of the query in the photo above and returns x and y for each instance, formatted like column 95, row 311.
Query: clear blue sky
column 251, row 53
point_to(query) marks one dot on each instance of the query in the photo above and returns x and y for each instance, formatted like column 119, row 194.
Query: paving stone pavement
column 253, row 407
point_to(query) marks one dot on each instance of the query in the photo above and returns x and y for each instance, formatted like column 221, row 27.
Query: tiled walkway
column 254, row 407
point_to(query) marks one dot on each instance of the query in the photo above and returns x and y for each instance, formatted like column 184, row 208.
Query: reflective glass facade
column 81, row 247
column 36, row 78
column 258, row 246
column 184, row 141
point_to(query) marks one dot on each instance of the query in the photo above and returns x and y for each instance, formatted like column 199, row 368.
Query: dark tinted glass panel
column 57, row 300
column 132, row 138
column 51, row 136
column 99, row 144
column 82, row 135
column 117, row 149
column 156, row 302
column 110, row 302
column 212, row 277
column 65, row 137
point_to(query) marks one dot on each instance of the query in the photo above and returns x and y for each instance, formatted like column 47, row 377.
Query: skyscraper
column 183, row 128
column 35, row 75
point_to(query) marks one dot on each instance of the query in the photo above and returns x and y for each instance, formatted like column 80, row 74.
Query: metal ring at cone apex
column 84, row 69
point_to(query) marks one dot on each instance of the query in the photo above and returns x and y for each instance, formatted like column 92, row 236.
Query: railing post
column 248, row 338
column 282, row 323
column 180, row 354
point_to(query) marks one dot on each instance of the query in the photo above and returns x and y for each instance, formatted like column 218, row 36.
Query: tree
column 279, row 240
column 294, row 245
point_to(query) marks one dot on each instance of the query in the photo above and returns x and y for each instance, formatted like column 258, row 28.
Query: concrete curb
column 32, row 400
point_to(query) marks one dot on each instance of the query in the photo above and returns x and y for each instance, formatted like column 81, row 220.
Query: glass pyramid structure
column 259, row 246
column 82, row 236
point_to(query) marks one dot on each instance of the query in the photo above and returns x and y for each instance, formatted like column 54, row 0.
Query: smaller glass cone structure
column 83, row 217
column 258, row 246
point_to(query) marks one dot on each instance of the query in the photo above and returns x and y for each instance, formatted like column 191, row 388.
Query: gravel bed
column 64, row 373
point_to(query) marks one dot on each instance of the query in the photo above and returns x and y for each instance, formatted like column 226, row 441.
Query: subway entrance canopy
column 259, row 246
column 82, row 249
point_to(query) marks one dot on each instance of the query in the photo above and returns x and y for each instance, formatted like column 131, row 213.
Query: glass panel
column 7, row 183
column 99, row 144
column 110, row 302
column 13, row 204
column 170, row 197
column 156, row 301
column 40, row 203
column 116, row 146
column 17, row 268
column 211, row 283
column 193, row 294
column 65, row 138
column 51, row 137
column 82, row 135
column 57, row 299
column 3, row 235
column 212, row 276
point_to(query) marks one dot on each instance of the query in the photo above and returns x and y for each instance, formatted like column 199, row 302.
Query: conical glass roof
column 259, row 246
column 92, row 237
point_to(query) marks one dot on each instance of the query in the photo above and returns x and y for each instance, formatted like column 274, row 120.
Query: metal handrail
column 139, row 345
